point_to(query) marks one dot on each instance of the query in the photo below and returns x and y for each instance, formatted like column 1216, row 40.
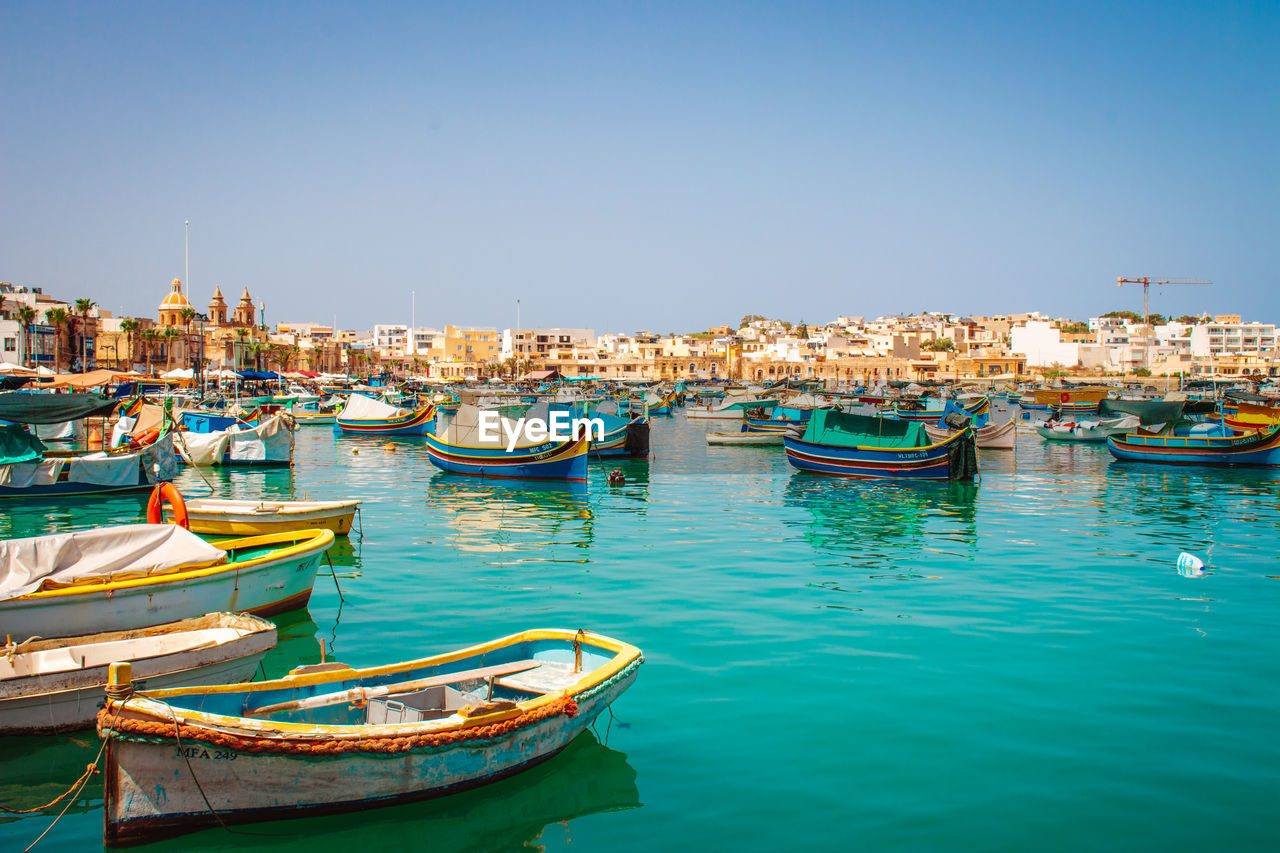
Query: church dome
column 175, row 300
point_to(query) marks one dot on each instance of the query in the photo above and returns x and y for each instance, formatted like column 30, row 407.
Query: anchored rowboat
column 213, row 517
column 341, row 739
column 136, row 575
column 56, row 685
column 989, row 437
column 748, row 438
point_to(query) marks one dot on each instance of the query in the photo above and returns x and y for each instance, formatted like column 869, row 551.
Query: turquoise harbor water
column 831, row 664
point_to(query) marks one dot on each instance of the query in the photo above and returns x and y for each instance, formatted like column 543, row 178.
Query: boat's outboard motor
column 955, row 420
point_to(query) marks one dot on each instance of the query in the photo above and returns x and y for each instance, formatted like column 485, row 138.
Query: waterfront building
column 537, row 343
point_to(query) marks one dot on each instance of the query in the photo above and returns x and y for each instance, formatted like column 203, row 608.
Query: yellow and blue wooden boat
column 215, row 517
column 1260, row 448
column 137, row 575
column 330, row 738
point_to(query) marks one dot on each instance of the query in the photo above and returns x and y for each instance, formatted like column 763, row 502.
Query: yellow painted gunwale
column 148, row 704
column 306, row 542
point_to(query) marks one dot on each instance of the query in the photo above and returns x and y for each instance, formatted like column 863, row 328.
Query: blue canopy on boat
column 257, row 374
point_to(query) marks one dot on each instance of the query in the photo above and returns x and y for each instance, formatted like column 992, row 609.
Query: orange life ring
column 167, row 493
column 1064, row 397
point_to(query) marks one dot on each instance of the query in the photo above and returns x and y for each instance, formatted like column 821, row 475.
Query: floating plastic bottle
column 1189, row 565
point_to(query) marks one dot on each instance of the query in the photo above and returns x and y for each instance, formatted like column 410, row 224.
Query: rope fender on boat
column 157, row 731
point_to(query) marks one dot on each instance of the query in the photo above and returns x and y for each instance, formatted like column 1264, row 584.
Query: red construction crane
column 1146, row 282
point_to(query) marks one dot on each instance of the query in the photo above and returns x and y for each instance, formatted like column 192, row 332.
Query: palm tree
column 83, row 307
column 26, row 315
column 188, row 314
column 149, row 337
column 58, row 318
column 170, row 335
column 128, row 325
column 238, row 347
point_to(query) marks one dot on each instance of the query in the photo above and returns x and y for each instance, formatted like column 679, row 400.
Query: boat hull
column 305, row 419
column 418, row 422
column 924, row 463
column 732, row 412
column 549, row 461
column 746, row 439
column 1256, row 449
column 241, row 518
column 70, row 700
column 988, row 437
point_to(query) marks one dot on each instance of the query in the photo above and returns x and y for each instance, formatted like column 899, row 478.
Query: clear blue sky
column 643, row 165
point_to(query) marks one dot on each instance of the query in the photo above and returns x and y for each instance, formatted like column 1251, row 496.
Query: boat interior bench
column 443, row 698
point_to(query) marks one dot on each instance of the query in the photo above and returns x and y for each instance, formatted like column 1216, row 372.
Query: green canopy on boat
column 18, row 445
column 828, row 426
column 53, row 408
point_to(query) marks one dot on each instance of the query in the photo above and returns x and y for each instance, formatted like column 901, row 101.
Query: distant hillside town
column 41, row 331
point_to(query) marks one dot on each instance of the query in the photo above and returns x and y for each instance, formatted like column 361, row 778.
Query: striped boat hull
column 551, row 460
column 921, row 463
column 981, row 407
column 417, row 422
column 1256, row 449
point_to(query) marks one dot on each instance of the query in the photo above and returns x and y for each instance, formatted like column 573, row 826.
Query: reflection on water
column 872, row 520
column 510, row 815
column 297, row 644
column 38, row 768
column 30, row 517
column 514, row 515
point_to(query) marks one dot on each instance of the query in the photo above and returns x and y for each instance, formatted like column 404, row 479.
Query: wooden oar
column 360, row 695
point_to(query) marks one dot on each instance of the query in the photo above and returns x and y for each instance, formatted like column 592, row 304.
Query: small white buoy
column 1190, row 566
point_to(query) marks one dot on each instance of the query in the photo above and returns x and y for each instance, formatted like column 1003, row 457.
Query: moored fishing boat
column 746, row 438
column 310, row 413
column 989, row 437
column 659, row 403
column 29, row 470
column 216, row 517
column 849, row 445
column 731, row 407
column 136, row 575
column 624, row 437
column 973, row 407
column 56, row 685
column 366, row 416
column 1260, row 448
column 269, row 443
column 1245, row 416
column 341, row 739
column 1087, row 431
column 1079, row 401
column 458, row 445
